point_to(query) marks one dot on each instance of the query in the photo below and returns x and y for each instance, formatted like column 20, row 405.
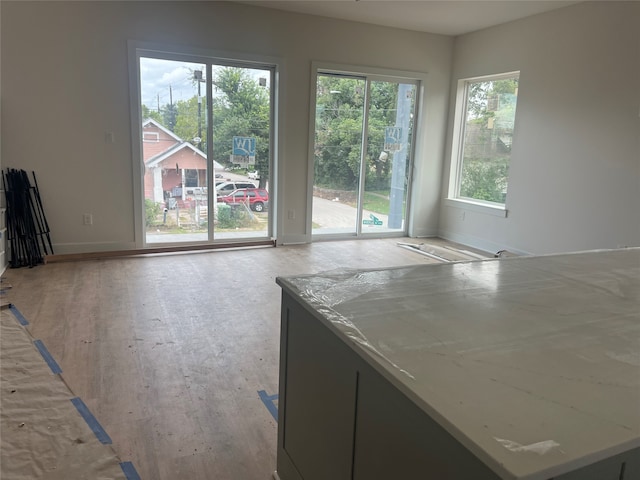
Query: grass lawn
column 377, row 202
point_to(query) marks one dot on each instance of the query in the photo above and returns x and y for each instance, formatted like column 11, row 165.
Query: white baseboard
column 293, row 240
column 423, row 232
column 480, row 243
column 90, row 247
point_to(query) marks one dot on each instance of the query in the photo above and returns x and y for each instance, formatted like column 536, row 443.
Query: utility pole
column 172, row 117
column 197, row 76
column 399, row 167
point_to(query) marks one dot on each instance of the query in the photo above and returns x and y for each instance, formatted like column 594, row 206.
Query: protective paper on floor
column 42, row 435
column 441, row 253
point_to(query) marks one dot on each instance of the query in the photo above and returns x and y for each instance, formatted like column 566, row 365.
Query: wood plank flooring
column 169, row 351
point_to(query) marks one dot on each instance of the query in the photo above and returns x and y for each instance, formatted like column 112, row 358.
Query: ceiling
column 447, row 17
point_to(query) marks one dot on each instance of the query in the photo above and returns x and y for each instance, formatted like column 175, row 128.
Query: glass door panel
column 362, row 188
column 179, row 162
column 241, row 118
column 174, row 150
column 340, row 103
column 389, row 136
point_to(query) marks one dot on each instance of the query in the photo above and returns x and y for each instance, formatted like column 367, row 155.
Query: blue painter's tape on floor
column 129, row 471
column 91, row 421
column 53, row 365
column 268, row 402
column 18, row 315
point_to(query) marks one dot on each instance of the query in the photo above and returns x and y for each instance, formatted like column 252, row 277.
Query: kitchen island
column 517, row 368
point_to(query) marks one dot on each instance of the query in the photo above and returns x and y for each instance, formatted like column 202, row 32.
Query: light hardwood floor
column 169, row 351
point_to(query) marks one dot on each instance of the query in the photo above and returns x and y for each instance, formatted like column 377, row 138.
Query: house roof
column 151, row 121
column 156, row 159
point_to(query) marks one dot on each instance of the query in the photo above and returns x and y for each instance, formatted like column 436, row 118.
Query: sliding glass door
column 206, row 149
column 362, row 154
column 174, row 153
column 389, row 157
column 340, row 114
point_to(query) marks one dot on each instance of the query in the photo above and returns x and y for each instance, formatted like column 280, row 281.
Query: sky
column 158, row 77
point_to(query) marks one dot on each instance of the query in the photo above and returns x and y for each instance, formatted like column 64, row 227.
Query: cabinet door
column 395, row 439
column 319, row 403
column 624, row 466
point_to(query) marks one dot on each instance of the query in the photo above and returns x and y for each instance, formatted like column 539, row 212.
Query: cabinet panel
column 625, row 466
column 395, row 439
column 319, row 397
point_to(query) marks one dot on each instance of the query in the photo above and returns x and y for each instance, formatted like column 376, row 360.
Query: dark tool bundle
column 26, row 223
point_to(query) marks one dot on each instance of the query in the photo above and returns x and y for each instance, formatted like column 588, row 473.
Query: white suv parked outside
column 227, row 187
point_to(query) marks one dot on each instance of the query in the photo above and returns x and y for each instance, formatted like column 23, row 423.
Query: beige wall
column 65, row 84
column 574, row 181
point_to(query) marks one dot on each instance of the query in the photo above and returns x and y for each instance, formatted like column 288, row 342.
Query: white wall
column 574, row 181
column 65, row 83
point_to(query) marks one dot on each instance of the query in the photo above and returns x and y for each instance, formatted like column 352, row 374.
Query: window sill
column 495, row 210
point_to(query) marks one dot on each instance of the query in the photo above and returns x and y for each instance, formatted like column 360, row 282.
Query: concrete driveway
column 336, row 217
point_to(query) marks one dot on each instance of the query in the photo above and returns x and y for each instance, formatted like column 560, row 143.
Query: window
column 190, row 177
column 150, row 137
column 485, row 126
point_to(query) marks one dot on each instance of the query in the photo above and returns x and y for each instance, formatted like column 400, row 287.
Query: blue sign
column 244, row 151
column 244, row 146
column 373, row 220
column 392, row 139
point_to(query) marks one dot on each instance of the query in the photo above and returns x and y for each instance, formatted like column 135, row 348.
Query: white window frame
column 137, row 49
column 457, row 151
column 419, row 79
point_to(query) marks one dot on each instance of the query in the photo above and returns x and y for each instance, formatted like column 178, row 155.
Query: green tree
column 382, row 114
column 339, row 113
column 339, row 121
column 151, row 211
column 491, row 109
column 187, row 126
column 169, row 116
column 485, row 179
column 153, row 114
column 241, row 108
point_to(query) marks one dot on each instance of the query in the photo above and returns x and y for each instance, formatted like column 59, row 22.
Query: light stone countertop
column 532, row 363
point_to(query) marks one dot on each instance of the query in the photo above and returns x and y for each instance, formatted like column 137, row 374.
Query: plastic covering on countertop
column 540, row 447
column 330, row 289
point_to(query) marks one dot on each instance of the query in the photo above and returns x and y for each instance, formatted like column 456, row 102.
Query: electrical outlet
column 87, row 219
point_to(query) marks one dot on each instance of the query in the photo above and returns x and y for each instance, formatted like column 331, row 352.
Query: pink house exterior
column 171, row 165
